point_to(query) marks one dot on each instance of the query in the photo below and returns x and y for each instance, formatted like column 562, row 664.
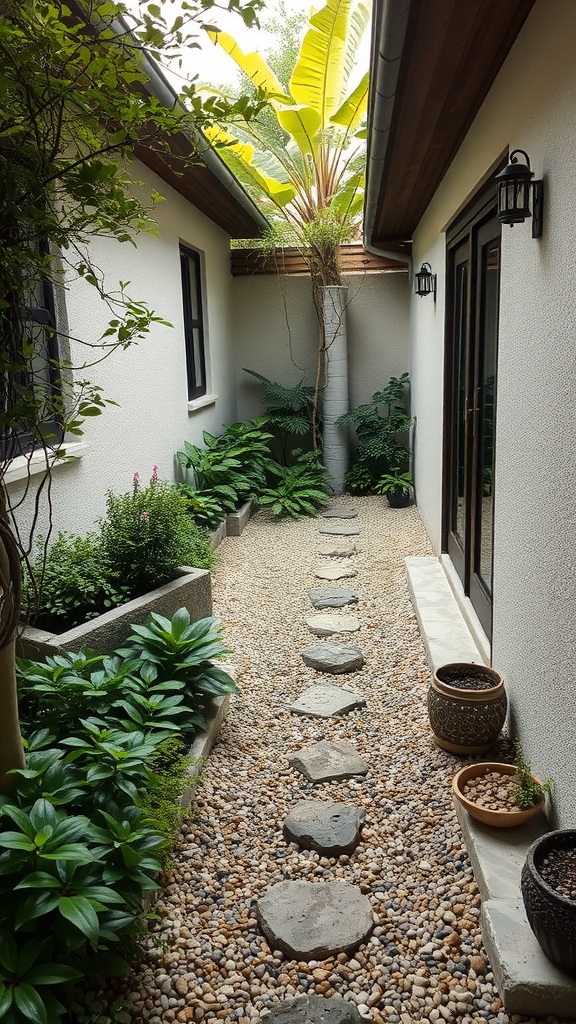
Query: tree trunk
column 336, row 401
column 11, row 751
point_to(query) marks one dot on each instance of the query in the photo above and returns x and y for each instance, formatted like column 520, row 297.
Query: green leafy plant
column 161, row 805
column 394, row 482
column 298, row 489
column 381, row 436
column 26, row 972
column 289, row 411
column 527, row 791
column 202, row 506
column 68, row 583
column 231, row 467
column 147, row 533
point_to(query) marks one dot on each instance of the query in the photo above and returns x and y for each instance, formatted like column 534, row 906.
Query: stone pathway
column 277, row 803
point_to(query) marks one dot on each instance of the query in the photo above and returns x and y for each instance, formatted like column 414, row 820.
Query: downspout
column 387, row 47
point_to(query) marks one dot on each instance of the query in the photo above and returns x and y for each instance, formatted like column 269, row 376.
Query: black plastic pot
column 551, row 916
column 399, row 499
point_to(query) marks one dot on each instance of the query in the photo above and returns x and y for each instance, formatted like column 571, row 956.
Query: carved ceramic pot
column 467, row 707
column 551, row 915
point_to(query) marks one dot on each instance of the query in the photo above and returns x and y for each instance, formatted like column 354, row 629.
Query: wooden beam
column 353, row 259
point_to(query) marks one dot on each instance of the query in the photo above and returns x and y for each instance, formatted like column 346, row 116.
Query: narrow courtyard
column 424, row 961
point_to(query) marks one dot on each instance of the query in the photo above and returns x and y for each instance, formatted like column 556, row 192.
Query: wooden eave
column 452, row 52
column 353, row 259
column 182, row 169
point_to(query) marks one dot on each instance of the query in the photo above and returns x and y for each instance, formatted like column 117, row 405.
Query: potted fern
column 397, row 486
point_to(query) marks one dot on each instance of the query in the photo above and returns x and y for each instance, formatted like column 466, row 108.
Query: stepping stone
column 334, row 658
column 315, row 1010
column 340, row 531
column 334, row 572
column 314, row 920
column 328, row 761
column 340, row 513
column 331, row 828
column 338, row 550
column 326, row 625
column 326, row 701
column 331, row 597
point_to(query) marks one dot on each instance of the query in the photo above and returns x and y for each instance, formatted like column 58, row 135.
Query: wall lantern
column 514, row 185
column 425, row 281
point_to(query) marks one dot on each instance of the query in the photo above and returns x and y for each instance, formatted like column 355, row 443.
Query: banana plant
column 312, row 182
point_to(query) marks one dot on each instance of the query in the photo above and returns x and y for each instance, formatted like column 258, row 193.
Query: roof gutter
column 388, row 39
column 159, row 86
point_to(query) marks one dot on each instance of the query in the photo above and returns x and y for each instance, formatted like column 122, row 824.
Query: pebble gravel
column 206, row 958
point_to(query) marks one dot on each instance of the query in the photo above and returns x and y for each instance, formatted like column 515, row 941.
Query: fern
column 289, row 410
column 380, row 425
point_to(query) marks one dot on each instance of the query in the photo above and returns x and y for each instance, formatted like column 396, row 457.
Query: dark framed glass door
column 470, row 425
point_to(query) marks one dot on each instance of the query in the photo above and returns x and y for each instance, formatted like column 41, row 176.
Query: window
column 193, row 322
column 40, row 381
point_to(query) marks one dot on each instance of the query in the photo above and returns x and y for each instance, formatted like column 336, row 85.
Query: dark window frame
column 190, row 261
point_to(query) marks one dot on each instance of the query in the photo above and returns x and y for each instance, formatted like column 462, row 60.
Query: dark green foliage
column 202, row 507
column 298, row 489
column 232, row 467
column 381, row 436
column 147, row 533
column 70, row 583
column 289, row 411
column 94, row 815
column 394, row 483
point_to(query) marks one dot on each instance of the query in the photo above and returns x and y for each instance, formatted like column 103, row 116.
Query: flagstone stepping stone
column 338, row 549
column 326, row 701
column 328, row 761
column 329, row 827
column 315, row 1010
column 326, row 625
column 334, row 572
column 342, row 530
column 340, row 513
column 314, row 920
column 331, row 597
column 334, row 658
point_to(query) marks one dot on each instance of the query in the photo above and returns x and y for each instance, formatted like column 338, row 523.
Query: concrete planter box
column 191, row 589
column 236, row 521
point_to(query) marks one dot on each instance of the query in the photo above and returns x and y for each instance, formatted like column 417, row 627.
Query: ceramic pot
column 499, row 819
column 552, row 917
column 466, row 721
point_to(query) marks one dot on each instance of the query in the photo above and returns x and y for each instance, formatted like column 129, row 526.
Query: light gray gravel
column 424, row 962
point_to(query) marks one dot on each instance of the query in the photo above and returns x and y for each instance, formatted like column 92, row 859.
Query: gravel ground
column 425, row 961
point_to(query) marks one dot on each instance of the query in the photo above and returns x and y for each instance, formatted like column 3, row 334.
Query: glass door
column 470, row 427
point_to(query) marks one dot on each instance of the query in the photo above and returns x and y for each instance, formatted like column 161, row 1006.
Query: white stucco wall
column 276, row 333
column 532, row 105
column 148, row 381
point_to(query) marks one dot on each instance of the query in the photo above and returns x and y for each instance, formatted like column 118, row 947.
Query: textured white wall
column 532, row 105
column 276, row 333
column 148, row 381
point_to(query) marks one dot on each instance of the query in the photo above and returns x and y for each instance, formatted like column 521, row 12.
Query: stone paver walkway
column 417, row 955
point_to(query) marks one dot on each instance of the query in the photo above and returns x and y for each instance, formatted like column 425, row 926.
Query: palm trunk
column 336, row 400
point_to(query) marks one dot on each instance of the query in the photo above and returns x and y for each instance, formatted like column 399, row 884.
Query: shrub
column 146, row 534
column 381, row 448
column 69, row 583
column 298, row 489
column 232, row 467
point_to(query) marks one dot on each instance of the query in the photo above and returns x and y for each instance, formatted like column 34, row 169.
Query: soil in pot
column 467, row 707
column 549, row 891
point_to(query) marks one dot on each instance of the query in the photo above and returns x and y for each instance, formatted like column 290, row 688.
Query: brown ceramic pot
column 466, row 721
column 499, row 819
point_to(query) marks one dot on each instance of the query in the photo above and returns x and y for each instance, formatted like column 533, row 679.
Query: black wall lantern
column 514, row 186
column 425, row 281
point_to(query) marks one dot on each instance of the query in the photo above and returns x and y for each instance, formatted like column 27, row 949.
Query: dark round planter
column 399, row 499
column 466, row 721
column 552, row 917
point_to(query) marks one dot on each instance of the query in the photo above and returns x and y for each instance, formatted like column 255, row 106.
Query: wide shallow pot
column 552, row 916
column 499, row 819
column 464, row 719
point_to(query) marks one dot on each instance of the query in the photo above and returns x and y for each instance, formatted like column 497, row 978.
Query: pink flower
column 136, row 476
column 154, row 476
column 144, row 517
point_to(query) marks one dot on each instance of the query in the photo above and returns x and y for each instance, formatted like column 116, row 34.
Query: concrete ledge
column 191, row 589
column 445, row 633
column 526, row 980
column 218, row 535
column 236, row 521
column 204, row 741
